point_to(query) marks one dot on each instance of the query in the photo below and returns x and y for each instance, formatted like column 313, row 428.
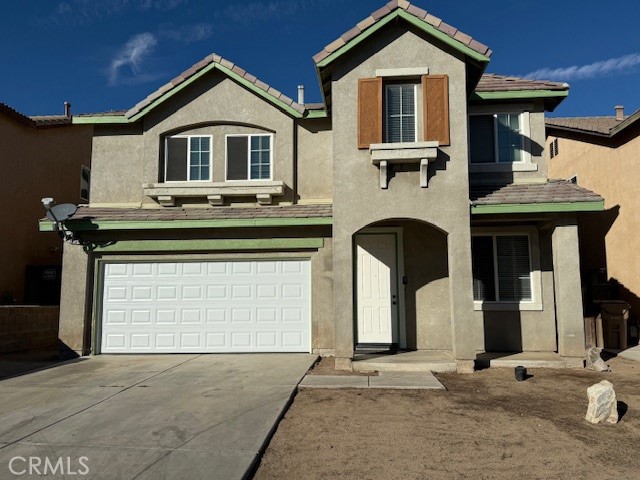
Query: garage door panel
column 222, row 306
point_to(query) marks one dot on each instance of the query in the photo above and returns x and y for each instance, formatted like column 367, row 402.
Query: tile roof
column 417, row 12
column 37, row 120
column 492, row 82
column 215, row 213
column 554, row 191
column 605, row 126
column 50, row 120
column 110, row 113
column 205, row 62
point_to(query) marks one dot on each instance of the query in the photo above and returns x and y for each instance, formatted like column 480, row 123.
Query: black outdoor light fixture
column 58, row 214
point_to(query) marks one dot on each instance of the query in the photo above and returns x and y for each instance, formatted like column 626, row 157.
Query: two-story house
column 410, row 210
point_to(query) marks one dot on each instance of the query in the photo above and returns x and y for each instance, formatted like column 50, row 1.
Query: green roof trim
column 93, row 119
column 421, row 24
column 558, row 207
column 317, row 113
column 210, row 244
column 102, row 225
column 519, row 94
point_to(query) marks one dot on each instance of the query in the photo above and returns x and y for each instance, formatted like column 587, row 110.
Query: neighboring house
column 603, row 154
column 410, row 209
column 43, row 156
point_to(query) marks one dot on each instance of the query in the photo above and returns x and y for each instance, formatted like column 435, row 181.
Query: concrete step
column 417, row 361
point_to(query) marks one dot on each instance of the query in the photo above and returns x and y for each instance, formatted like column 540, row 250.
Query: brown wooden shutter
column 435, row 100
column 369, row 111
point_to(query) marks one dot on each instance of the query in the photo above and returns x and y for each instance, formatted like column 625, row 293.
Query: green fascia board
column 519, row 94
column 421, row 24
column 210, row 244
column 316, row 114
column 89, row 225
column 558, row 207
column 84, row 120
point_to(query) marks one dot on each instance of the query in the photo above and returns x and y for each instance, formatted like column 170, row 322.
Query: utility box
column 613, row 327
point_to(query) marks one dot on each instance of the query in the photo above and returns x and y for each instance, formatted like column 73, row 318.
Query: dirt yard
column 485, row 426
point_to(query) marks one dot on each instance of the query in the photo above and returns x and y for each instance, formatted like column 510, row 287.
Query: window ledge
column 383, row 154
column 507, row 306
column 167, row 193
column 503, row 167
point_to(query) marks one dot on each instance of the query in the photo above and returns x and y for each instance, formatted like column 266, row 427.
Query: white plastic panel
column 206, row 307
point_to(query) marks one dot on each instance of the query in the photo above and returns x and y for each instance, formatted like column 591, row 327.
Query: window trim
column 189, row 137
column 249, row 135
column 535, row 304
column 526, row 163
column 385, row 120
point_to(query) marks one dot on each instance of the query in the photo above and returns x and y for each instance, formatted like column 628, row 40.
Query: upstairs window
column 501, row 268
column 187, row 158
column 400, row 118
column 388, row 112
column 249, row 157
column 498, row 138
column 85, row 182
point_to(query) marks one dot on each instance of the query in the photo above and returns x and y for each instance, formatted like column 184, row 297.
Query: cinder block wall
column 25, row 328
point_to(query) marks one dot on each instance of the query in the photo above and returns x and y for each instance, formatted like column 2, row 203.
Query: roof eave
column 549, row 207
column 551, row 98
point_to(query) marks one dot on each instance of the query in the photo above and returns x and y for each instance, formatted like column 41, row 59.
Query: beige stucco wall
column 315, row 155
column 35, row 163
column 612, row 173
column 359, row 201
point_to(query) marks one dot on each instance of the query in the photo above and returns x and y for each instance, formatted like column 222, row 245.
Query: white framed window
column 187, row 158
column 401, row 119
column 249, row 156
column 506, row 270
column 500, row 138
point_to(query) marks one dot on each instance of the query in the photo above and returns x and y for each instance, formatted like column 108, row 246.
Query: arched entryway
column 401, row 289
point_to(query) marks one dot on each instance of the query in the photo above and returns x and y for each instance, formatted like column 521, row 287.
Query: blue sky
column 109, row 54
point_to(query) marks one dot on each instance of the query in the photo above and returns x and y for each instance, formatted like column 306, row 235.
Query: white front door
column 377, row 285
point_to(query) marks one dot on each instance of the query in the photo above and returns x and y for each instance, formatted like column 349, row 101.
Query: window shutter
column 482, row 141
column 237, row 151
column 369, row 111
column 435, row 100
column 176, row 159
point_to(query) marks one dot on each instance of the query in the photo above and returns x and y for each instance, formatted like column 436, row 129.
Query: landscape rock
column 595, row 362
column 603, row 405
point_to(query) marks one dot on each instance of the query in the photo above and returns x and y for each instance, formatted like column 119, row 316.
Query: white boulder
column 603, row 405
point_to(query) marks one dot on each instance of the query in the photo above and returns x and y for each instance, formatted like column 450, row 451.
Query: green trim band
column 538, row 207
column 87, row 119
column 210, row 244
column 519, row 94
column 421, row 24
column 88, row 225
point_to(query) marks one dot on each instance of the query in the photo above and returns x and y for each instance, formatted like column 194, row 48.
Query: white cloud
column 128, row 61
column 187, row 33
column 597, row 69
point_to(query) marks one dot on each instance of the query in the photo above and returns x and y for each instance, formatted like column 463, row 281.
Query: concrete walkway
column 390, row 380
column 632, row 353
column 148, row 417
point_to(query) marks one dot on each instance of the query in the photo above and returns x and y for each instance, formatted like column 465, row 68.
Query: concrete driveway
column 145, row 417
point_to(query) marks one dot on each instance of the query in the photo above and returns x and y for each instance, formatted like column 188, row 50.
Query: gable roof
column 477, row 53
column 606, row 126
column 402, row 8
column 207, row 64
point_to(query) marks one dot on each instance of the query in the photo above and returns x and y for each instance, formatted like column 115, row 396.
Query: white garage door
column 221, row 306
